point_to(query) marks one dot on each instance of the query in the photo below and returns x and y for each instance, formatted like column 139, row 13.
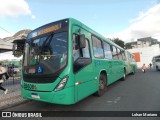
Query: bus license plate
column 35, row 95
column 32, row 70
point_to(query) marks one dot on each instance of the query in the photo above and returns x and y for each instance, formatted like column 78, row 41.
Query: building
column 142, row 42
column 5, row 46
column 144, row 50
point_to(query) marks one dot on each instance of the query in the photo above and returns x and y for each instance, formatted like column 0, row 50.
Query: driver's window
column 84, row 52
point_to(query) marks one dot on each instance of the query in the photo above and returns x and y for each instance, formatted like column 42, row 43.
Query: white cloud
column 145, row 25
column 33, row 17
column 14, row 8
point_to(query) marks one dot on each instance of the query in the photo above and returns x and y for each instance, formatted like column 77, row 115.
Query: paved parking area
column 13, row 96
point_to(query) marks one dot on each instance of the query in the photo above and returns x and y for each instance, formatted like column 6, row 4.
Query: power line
column 4, row 29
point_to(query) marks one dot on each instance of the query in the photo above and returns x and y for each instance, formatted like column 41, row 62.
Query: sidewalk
column 13, row 97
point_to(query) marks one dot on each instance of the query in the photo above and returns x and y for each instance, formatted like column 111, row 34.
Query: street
column 139, row 92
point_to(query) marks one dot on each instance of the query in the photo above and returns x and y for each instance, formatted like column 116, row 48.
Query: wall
column 146, row 54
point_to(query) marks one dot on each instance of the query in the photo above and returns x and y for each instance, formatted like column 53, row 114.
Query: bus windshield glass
column 45, row 55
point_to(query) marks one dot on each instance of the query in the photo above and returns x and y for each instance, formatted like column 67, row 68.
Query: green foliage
column 118, row 42
column 128, row 46
column 18, row 54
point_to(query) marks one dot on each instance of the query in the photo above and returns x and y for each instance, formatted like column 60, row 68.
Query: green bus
column 130, row 62
column 66, row 61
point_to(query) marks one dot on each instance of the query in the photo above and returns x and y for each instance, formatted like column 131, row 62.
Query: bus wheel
column 102, row 85
column 124, row 75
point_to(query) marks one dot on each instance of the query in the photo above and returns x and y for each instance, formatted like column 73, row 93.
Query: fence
column 13, row 95
column 12, row 84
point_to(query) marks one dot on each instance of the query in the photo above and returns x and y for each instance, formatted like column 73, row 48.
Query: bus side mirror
column 14, row 48
column 82, row 41
column 18, row 47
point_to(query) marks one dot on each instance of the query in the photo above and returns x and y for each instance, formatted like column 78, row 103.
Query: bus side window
column 81, row 56
column 130, row 57
column 107, row 50
column 119, row 54
column 133, row 58
column 85, row 51
column 97, row 47
column 114, row 53
column 123, row 55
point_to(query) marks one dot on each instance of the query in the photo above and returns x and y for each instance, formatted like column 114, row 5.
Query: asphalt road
column 139, row 92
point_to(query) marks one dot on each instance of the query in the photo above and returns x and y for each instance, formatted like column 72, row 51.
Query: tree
column 18, row 54
column 118, row 42
column 128, row 46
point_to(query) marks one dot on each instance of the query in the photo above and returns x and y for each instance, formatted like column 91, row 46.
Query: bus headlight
column 62, row 84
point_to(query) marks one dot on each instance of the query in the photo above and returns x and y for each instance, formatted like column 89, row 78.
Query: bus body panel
column 65, row 96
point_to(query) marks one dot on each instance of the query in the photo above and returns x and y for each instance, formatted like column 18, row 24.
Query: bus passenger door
column 85, row 82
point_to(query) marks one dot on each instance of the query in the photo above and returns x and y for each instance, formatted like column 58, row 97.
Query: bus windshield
column 45, row 55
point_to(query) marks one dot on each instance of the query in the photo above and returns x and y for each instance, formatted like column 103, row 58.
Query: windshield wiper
column 37, row 49
column 46, row 42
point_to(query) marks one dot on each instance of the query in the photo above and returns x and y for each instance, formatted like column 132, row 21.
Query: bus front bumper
column 65, row 96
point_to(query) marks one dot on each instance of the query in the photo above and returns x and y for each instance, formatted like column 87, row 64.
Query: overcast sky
column 125, row 19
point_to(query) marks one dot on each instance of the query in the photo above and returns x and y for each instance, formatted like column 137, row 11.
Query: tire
column 102, row 85
column 124, row 75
